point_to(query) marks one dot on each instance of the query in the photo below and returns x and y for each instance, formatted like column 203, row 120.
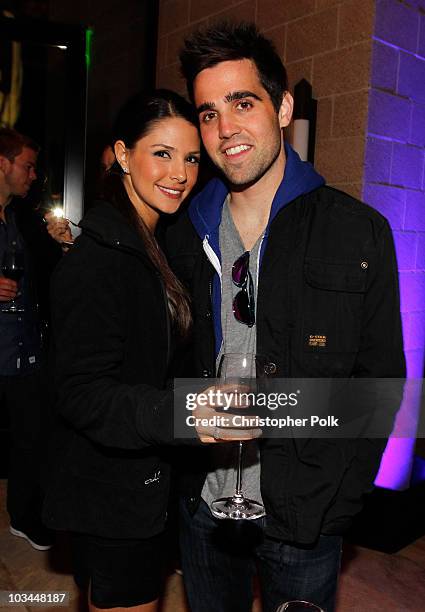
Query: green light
column 89, row 40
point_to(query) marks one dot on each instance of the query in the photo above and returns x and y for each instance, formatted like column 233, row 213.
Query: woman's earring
column 124, row 168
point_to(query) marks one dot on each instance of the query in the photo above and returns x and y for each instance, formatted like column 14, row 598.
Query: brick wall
column 394, row 184
column 395, row 151
column 327, row 42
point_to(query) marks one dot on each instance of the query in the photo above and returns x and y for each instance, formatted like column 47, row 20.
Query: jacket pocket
column 134, row 469
column 333, row 301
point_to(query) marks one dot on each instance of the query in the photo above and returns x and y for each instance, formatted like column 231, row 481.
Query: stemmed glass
column 13, row 267
column 299, row 606
column 242, row 370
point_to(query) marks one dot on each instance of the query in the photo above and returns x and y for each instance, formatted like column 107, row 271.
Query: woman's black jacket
column 111, row 348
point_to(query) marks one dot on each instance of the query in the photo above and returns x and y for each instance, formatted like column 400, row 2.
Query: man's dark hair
column 226, row 41
column 12, row 143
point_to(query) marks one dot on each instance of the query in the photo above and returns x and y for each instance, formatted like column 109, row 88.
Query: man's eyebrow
column 239, row 95
column 205, row 106
column 230, row 97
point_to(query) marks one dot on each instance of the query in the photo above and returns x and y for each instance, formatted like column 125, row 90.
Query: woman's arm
column 89, row 342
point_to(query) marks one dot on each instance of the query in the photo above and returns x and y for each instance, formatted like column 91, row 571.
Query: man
column 59, row 227
column 323, row 266
column 21, row 391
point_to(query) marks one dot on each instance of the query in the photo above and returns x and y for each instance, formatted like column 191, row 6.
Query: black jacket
column 328, row 269
column 25, row 337
column 111, row 347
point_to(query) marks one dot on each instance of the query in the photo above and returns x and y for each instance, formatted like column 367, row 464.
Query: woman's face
column 162, row 167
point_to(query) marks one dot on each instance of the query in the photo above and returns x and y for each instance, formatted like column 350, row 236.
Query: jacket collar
column 205, row 213
column 105, row 224
column 299, row 178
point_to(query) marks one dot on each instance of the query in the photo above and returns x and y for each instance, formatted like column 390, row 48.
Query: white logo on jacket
column 155, row 478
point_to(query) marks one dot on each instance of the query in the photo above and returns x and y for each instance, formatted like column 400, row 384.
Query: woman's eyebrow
column 161, row 144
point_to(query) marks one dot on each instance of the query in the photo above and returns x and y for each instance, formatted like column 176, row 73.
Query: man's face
column 240, row 128
column 19, row 174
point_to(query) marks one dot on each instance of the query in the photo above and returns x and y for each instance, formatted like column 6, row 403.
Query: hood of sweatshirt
column 299, row 178
column 206, row 208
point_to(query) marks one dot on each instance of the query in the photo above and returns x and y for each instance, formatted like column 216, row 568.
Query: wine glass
column 242, row 370
column 299, row 606
column 13, row 267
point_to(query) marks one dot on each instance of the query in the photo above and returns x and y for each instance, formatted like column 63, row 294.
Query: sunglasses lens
column 243, row 309
column 240, row 269
column 243, row 303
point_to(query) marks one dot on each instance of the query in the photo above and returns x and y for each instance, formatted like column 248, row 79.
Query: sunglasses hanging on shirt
column 243, row 302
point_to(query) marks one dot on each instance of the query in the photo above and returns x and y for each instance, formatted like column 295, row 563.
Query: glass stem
column 238, row 491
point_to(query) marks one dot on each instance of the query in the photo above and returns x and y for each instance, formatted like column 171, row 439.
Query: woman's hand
column 227, row 431
column 58, row 228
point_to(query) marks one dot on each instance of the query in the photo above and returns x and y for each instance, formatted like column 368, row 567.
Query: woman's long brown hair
column 135, row 119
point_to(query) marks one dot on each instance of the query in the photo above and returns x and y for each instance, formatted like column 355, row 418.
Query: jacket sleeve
column 381, row 346
column 380, row 357
column 88, row 351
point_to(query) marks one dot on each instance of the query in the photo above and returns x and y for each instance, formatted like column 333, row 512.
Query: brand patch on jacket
column 317, row 340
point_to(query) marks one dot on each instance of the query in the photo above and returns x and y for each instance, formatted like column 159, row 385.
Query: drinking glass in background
column 299, row 606
column 13, row 267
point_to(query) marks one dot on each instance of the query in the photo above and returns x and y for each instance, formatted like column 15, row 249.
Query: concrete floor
column 370, row 581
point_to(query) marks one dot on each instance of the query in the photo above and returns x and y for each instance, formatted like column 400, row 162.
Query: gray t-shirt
column 237, row 338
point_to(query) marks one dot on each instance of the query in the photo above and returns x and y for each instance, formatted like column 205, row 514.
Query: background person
column 23, row 335
column 59, row 227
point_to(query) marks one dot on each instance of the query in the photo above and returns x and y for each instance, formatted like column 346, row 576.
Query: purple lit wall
column 394, row 184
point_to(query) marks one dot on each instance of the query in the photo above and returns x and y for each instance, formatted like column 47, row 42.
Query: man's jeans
column 220, row 557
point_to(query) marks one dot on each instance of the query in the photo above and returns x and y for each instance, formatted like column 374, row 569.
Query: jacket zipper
column 214, row 260
column 213, row 370
column 258, row 268
column 212, row 256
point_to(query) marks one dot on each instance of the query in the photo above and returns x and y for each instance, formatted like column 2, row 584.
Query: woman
column 117, row 311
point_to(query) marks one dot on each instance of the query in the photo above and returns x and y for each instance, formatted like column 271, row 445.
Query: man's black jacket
column 329, row 270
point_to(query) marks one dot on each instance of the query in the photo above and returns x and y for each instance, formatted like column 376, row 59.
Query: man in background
column 23, row 333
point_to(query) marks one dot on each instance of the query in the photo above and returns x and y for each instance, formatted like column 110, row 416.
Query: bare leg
column 152, row 606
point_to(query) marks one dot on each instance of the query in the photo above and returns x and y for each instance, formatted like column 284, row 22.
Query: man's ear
column 285, row 110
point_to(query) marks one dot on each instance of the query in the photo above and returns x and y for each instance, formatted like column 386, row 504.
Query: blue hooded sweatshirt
column 205, row 213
